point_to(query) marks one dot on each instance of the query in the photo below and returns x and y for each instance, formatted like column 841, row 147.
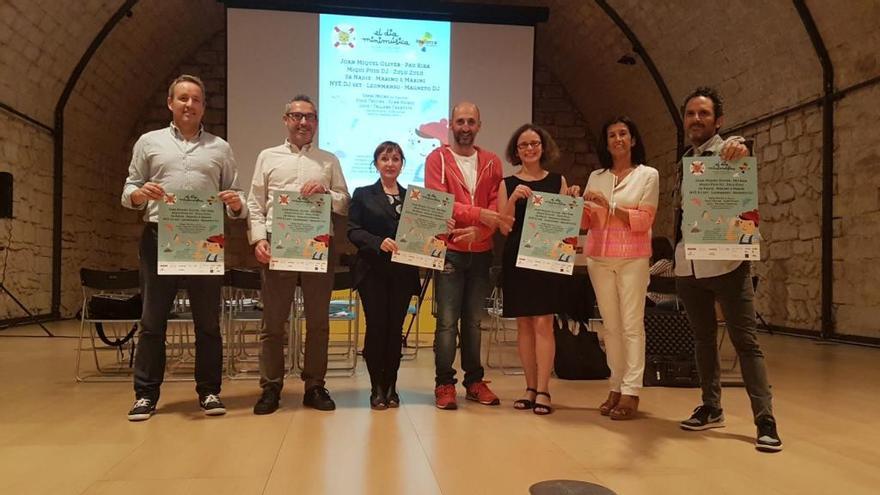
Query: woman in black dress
column 531, row 296
column 384, row 287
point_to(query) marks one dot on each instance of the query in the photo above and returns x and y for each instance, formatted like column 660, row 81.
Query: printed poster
column 300, row 239
column 550, row 232
column 720, row 209
column 423, row 222
column 190, row 233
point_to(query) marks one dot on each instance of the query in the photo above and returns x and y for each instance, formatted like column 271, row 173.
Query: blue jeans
column 461, row 290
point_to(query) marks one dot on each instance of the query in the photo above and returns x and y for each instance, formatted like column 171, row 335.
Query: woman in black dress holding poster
column 531, row 296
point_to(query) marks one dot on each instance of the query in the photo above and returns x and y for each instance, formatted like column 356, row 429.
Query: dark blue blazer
column 371, row 219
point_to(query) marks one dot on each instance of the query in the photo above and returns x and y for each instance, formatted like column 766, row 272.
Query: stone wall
column 42, row 41
column 789, row 153
column 26, row 239
column 132, row 63
column 857, row 214
column 555, row 112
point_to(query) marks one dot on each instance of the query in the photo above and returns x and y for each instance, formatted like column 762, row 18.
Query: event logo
column 425, row 41
column 385, row 37
column 343, row 37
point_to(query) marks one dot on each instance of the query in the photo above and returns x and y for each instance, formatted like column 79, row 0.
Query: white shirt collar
column 294, row 148
column 179, row 134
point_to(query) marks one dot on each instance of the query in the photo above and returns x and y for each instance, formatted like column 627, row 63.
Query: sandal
column 610, row 403
column 626, row 408
column 525, row 404
column 542, row 409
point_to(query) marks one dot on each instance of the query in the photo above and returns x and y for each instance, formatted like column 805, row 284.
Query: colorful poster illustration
column 190, row 233
column 550, row 233
column 422, row 224
column 300, row 239
column 720, row 202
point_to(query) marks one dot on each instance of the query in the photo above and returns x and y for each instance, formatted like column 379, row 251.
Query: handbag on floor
column 578, row 356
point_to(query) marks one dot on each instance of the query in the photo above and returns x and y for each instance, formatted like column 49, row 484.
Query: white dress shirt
column 288, row 168
column 165, row 157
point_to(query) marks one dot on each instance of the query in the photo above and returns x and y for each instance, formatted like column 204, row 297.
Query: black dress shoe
column 319, row 398
column 377, row 399
column 391, row 397
column 268, row 402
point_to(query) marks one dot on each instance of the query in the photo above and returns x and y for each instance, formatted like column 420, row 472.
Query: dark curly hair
column 549, row 149
column 638, row 149
column 707, row 92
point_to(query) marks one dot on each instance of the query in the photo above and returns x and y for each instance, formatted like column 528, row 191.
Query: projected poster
column 382, row 80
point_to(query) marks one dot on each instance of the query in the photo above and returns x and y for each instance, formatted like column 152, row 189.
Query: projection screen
column 373, row 79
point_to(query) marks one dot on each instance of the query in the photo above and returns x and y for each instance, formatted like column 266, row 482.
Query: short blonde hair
column 186, row 78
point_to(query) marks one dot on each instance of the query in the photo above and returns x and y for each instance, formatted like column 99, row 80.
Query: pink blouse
column 637, row 194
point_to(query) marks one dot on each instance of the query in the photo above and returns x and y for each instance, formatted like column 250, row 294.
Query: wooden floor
column 58, row 437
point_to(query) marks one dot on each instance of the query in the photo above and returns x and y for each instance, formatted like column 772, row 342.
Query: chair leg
column 82, row 323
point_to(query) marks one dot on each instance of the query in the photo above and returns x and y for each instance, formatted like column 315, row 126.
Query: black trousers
column 158, row 292
column 386, row 301
column 735, row 294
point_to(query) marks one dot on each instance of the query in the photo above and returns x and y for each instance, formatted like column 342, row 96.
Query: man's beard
column 464, row 139
column 701, row 133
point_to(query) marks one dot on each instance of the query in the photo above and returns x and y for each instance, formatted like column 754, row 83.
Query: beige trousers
column 621, row 285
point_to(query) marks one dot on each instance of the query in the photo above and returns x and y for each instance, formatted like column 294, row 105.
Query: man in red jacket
column 472, row 176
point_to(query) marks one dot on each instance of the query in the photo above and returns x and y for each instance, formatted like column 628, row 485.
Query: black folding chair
column 111, row 310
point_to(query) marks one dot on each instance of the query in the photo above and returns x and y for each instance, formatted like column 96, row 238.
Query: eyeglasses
column 531, row 144
column 297, row 116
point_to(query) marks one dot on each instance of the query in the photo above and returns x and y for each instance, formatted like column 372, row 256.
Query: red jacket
column 443, row 174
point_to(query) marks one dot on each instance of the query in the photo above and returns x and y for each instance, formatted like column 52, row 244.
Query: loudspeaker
column 5, row 195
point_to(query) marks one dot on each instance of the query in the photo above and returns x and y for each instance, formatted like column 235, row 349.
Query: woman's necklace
column 392, row 189
column 622, row 175
column 532, row 175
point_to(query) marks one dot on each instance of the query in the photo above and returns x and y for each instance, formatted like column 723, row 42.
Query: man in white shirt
column 701, row 283
column 180, row 156
column 296, row 165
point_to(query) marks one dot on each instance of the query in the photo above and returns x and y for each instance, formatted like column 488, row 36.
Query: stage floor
column 60, row 437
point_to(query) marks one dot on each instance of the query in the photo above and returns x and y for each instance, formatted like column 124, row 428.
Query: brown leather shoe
column 626, row 408
column 609, row 404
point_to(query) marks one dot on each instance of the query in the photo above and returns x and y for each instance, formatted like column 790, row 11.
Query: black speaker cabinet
column 5, row 195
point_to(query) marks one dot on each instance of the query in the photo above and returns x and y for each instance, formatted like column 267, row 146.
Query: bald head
column 466, row 106
column 465, row 124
